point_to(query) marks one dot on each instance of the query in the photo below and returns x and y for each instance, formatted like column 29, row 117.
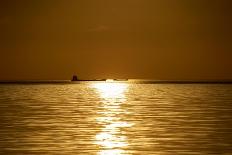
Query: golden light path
column 111, row 90
column 112, row 140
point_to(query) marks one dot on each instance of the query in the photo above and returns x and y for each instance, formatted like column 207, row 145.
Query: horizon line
column 226, row 81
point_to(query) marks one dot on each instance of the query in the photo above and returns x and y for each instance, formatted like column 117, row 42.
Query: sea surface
column 104, row 118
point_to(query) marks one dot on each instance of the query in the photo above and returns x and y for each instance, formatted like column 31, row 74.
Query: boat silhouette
column 74, row 78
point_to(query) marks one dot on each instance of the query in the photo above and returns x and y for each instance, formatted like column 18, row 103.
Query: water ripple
column 116, row 119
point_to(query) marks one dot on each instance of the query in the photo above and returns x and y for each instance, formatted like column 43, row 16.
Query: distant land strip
column 137, row 81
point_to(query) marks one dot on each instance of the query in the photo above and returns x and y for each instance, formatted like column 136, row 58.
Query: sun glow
column 109, row 90
column 110, row 139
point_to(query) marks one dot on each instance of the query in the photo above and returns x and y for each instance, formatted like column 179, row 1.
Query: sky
column 149, row 39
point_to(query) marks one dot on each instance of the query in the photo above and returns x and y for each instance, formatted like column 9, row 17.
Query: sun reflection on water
column 111, row 140
column 110, row 90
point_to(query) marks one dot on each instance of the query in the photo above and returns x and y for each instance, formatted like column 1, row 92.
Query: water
column 116, row 119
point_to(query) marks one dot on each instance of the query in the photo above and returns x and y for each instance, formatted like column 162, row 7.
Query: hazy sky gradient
column 155, row 39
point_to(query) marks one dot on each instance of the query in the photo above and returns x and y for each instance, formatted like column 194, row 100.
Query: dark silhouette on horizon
column 75, row 78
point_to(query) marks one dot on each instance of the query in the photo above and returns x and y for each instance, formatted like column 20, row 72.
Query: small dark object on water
column 75, row 78
column 120, row 79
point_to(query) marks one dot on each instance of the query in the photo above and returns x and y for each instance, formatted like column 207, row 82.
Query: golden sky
column 155, row 39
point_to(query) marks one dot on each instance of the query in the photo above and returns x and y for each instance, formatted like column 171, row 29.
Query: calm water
column 116, row 119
